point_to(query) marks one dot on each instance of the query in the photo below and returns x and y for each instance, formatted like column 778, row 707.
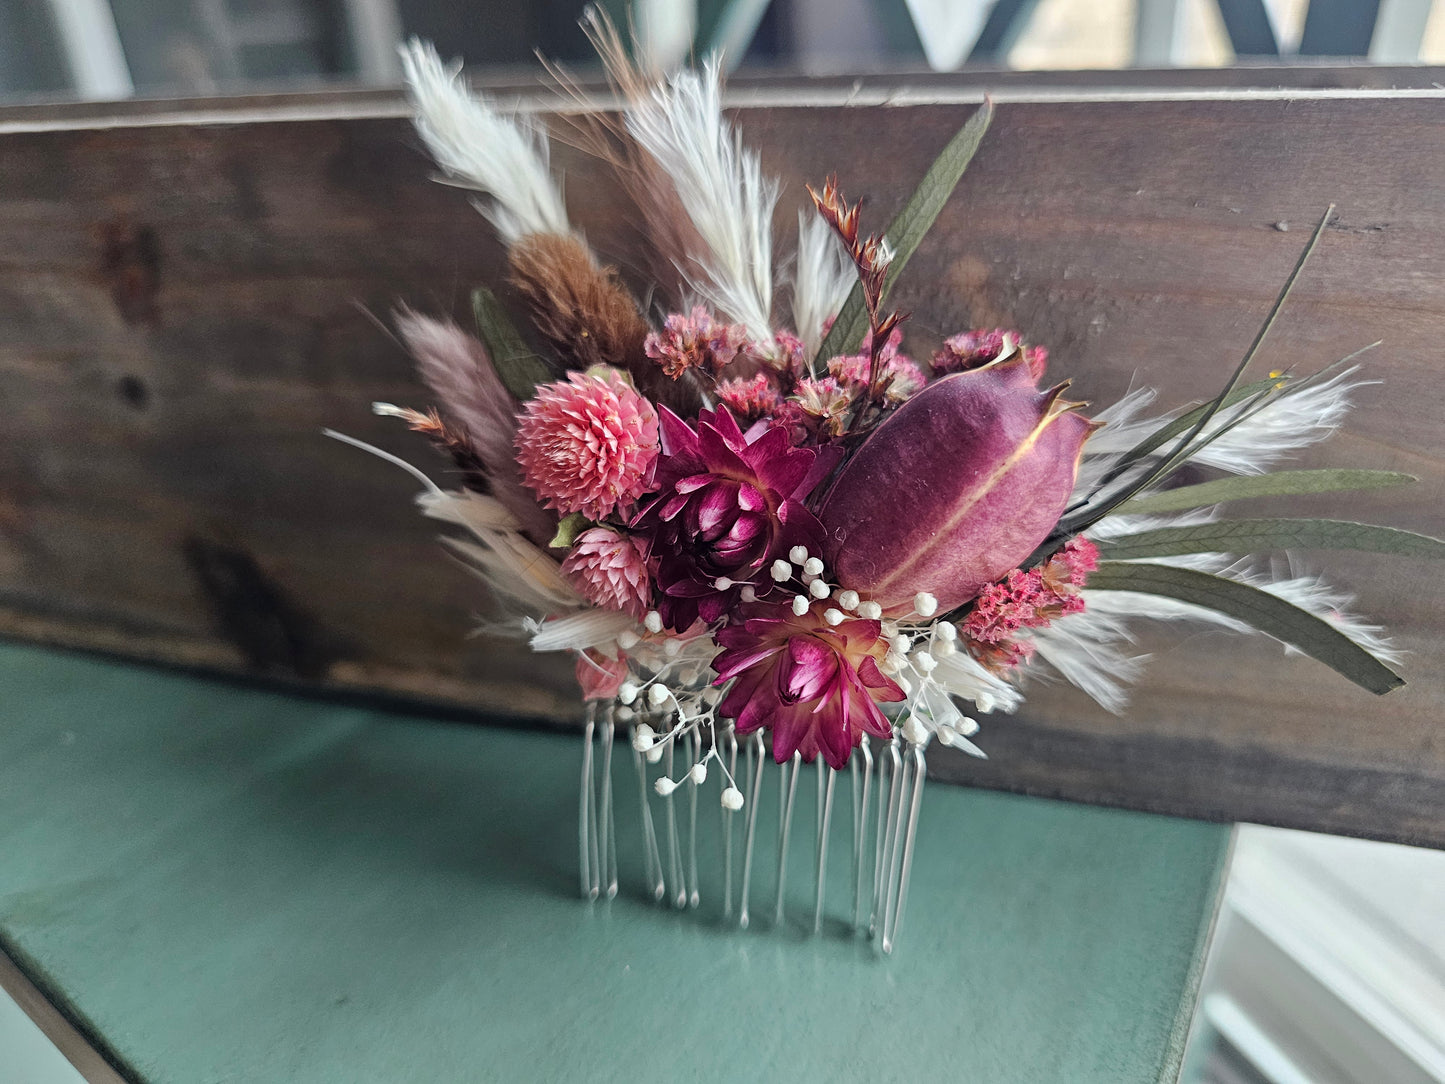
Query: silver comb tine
column 787, row 791
column 730, row 757
column 826, row 778
column 756, row 759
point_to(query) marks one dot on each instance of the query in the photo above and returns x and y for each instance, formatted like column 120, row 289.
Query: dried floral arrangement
column 791, row 537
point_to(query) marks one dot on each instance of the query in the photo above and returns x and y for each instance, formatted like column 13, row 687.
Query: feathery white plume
column 721, row 187
column 1088, row 650
column 963, row 675
column 821, row 279
column 576, row 632
column 514, row 568
column 479, row 148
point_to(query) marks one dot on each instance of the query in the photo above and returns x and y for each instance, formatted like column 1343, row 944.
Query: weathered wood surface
column 183, row 307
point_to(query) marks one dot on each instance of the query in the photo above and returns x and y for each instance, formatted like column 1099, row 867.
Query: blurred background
column 1329, row 962
column 106, row 49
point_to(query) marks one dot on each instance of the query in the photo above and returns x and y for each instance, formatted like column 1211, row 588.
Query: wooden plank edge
column 78, row 1042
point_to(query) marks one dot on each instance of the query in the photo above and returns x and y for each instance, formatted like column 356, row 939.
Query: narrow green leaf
column 1268, row 613
column 909, row 228
column 1255, row 535
column 1276, row 484
column 521, row 370
column 568, row 528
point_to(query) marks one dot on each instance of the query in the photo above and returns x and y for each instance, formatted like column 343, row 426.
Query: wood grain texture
column 183, row 307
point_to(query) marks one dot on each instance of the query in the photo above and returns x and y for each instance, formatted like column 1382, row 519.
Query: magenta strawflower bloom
column 816, row 686
column 610, row 569
column 728, row 504
column 588, row 443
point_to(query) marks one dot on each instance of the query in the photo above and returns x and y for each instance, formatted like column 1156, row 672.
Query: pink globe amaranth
column 956, row 488
column 815, row 686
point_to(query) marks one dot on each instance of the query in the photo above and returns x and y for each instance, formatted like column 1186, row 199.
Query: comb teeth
column 885, row 792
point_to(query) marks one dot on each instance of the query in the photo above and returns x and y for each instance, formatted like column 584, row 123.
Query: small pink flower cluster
column 695, row 341
column 972, row 349
column 1028, row 600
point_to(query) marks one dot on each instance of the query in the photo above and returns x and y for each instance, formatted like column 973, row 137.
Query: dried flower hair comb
column 792, row 540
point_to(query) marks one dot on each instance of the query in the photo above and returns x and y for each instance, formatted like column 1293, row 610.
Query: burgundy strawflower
column 727, row 505
column 610, row 569
column 587, row 444
column 815, row 686
column 695, row 340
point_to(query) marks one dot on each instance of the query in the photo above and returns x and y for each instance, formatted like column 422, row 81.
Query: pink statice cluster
column 1027, row 600
column 695, row 341
column 971, row 349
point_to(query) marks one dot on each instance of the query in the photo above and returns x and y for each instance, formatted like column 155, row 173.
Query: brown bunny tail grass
column 587, row 315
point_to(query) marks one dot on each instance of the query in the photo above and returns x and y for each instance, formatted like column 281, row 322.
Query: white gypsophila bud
column 643, row 737
column 967, row 727
column 664, row 786
column 653, row 621
column 671, row 647
column 818, row 589
column 833, row 616
column 654, row 755
column 924, row 661
column 732, row 799
column 945, row 631
column 623, row 714
column 984, row 702
column 627, row 692
column 847, row 600
column 748, row 593
column 813, row 566
column 871, row 611
column 903, row 683
column 801, row 604
column 722, row 583
column 914, row 731
column 945, row 735
column 782, row 571
column 944, row 648
column 924, row 604
column 698, row 773
column 627, row 639
column 658, row 694
column 798, row 555
column 901, row 643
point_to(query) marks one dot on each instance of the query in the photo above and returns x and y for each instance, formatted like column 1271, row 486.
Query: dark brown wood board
column 187, row 298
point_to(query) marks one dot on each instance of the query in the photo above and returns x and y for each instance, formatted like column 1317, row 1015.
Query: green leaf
column 568, row 528
column 1276, row 484
column 1268, row 613
column 521, row 370
column 1254, row 535
column 908, row 229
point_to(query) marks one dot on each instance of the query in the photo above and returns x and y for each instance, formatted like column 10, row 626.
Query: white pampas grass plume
column 576, row 632
column 459, row 372
column 505, row 158
column 1088, row 650
column 517, row 571
column 721, row 187
column 821, row 279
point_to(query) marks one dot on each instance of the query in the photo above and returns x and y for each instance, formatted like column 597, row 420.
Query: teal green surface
column 230, row 885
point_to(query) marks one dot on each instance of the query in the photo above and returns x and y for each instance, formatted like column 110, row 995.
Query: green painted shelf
column 223, row 884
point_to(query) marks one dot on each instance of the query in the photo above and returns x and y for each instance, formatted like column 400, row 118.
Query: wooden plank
column 182, row 310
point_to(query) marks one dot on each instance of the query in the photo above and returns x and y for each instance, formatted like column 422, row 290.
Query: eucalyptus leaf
column 1275, row 484
column 1268, row 613
column 520, row 369
column 1255, row 535
column 908, row 229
